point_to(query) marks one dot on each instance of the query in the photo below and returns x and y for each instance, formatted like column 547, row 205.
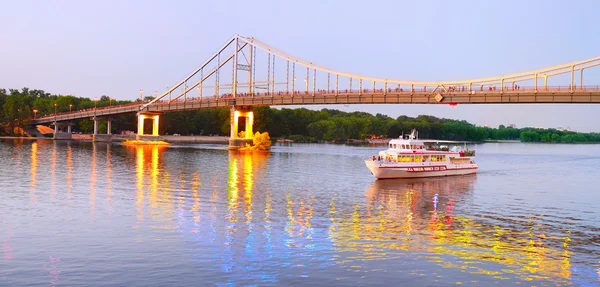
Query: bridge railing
column 104, row 108
column 330, row 92
column 487, row 90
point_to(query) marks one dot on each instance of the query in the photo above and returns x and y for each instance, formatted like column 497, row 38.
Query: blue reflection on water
column 151, row 216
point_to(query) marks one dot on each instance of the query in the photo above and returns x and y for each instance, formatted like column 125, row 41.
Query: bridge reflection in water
column 250, row 231
column 417, row 217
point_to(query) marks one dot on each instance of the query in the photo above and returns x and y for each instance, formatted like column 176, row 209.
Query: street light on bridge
column 141, row 97
column 55, row 107
column 70, row 107
column 34, row 113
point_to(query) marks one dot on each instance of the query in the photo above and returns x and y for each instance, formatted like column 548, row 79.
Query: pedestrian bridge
column 246, row 72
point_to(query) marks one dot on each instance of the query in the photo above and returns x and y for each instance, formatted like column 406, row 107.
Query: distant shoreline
column 225, row 140
column 120, row 138
column 501, row 141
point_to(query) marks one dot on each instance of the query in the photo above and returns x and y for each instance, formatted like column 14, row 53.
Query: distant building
column 512, row 126
column 567, row 129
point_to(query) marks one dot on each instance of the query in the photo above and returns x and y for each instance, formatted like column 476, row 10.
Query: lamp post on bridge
column 109, row 102
column 70, row 108
column 95, row 119
column 141, row 97
column 34, row 114
column 55, row 120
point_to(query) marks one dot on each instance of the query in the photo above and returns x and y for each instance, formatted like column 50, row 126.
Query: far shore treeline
column 301, row 125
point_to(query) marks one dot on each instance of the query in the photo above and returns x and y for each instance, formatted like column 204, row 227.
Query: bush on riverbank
column 260, row 142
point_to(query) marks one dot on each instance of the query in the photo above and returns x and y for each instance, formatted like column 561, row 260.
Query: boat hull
column 389, row 171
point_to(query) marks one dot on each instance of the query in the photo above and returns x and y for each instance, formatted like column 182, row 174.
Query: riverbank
column 120, row 138
column 501, row 141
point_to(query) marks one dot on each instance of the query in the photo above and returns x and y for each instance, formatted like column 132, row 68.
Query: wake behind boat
column 410, row 157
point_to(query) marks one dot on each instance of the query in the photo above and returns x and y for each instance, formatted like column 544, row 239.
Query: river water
column 82, row 213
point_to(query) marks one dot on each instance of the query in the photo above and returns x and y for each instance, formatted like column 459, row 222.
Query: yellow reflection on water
column 233, row 190
column 33, row 170
column 139, row 202
column 160, row 202
column 244, row 167
column 418, row 215
column 69, row 170
column 53, row 172
column 300, row 213
column 248, row 185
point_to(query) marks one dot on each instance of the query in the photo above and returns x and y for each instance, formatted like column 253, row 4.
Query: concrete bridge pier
column 155, row 122
column 235, row 142
column 60, row 135
column 96, row 137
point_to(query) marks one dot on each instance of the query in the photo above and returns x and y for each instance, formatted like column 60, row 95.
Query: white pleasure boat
column 410, row 157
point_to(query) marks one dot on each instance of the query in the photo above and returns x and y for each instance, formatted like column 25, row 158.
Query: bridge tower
column 155, row 120
column 236, row 113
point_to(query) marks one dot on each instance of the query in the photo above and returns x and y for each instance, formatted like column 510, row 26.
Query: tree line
column 302, row 125
column 17, row 107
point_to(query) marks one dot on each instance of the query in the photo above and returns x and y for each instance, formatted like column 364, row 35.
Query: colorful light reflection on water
column 104, row 214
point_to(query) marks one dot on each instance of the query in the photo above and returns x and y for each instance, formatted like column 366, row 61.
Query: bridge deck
column 588, row 96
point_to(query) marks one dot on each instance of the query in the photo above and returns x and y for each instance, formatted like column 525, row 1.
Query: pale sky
column 116, row 48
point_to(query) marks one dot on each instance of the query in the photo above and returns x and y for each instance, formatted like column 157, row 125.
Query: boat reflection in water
column 433, row 220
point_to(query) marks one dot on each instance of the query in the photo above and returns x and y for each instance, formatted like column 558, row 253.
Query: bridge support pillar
column 235, row 142
column 141, row 118
column 155, row 122
column 108, row 127
column 69, row 128
column 155, row 126
column 58, row 135
column 95, row 126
